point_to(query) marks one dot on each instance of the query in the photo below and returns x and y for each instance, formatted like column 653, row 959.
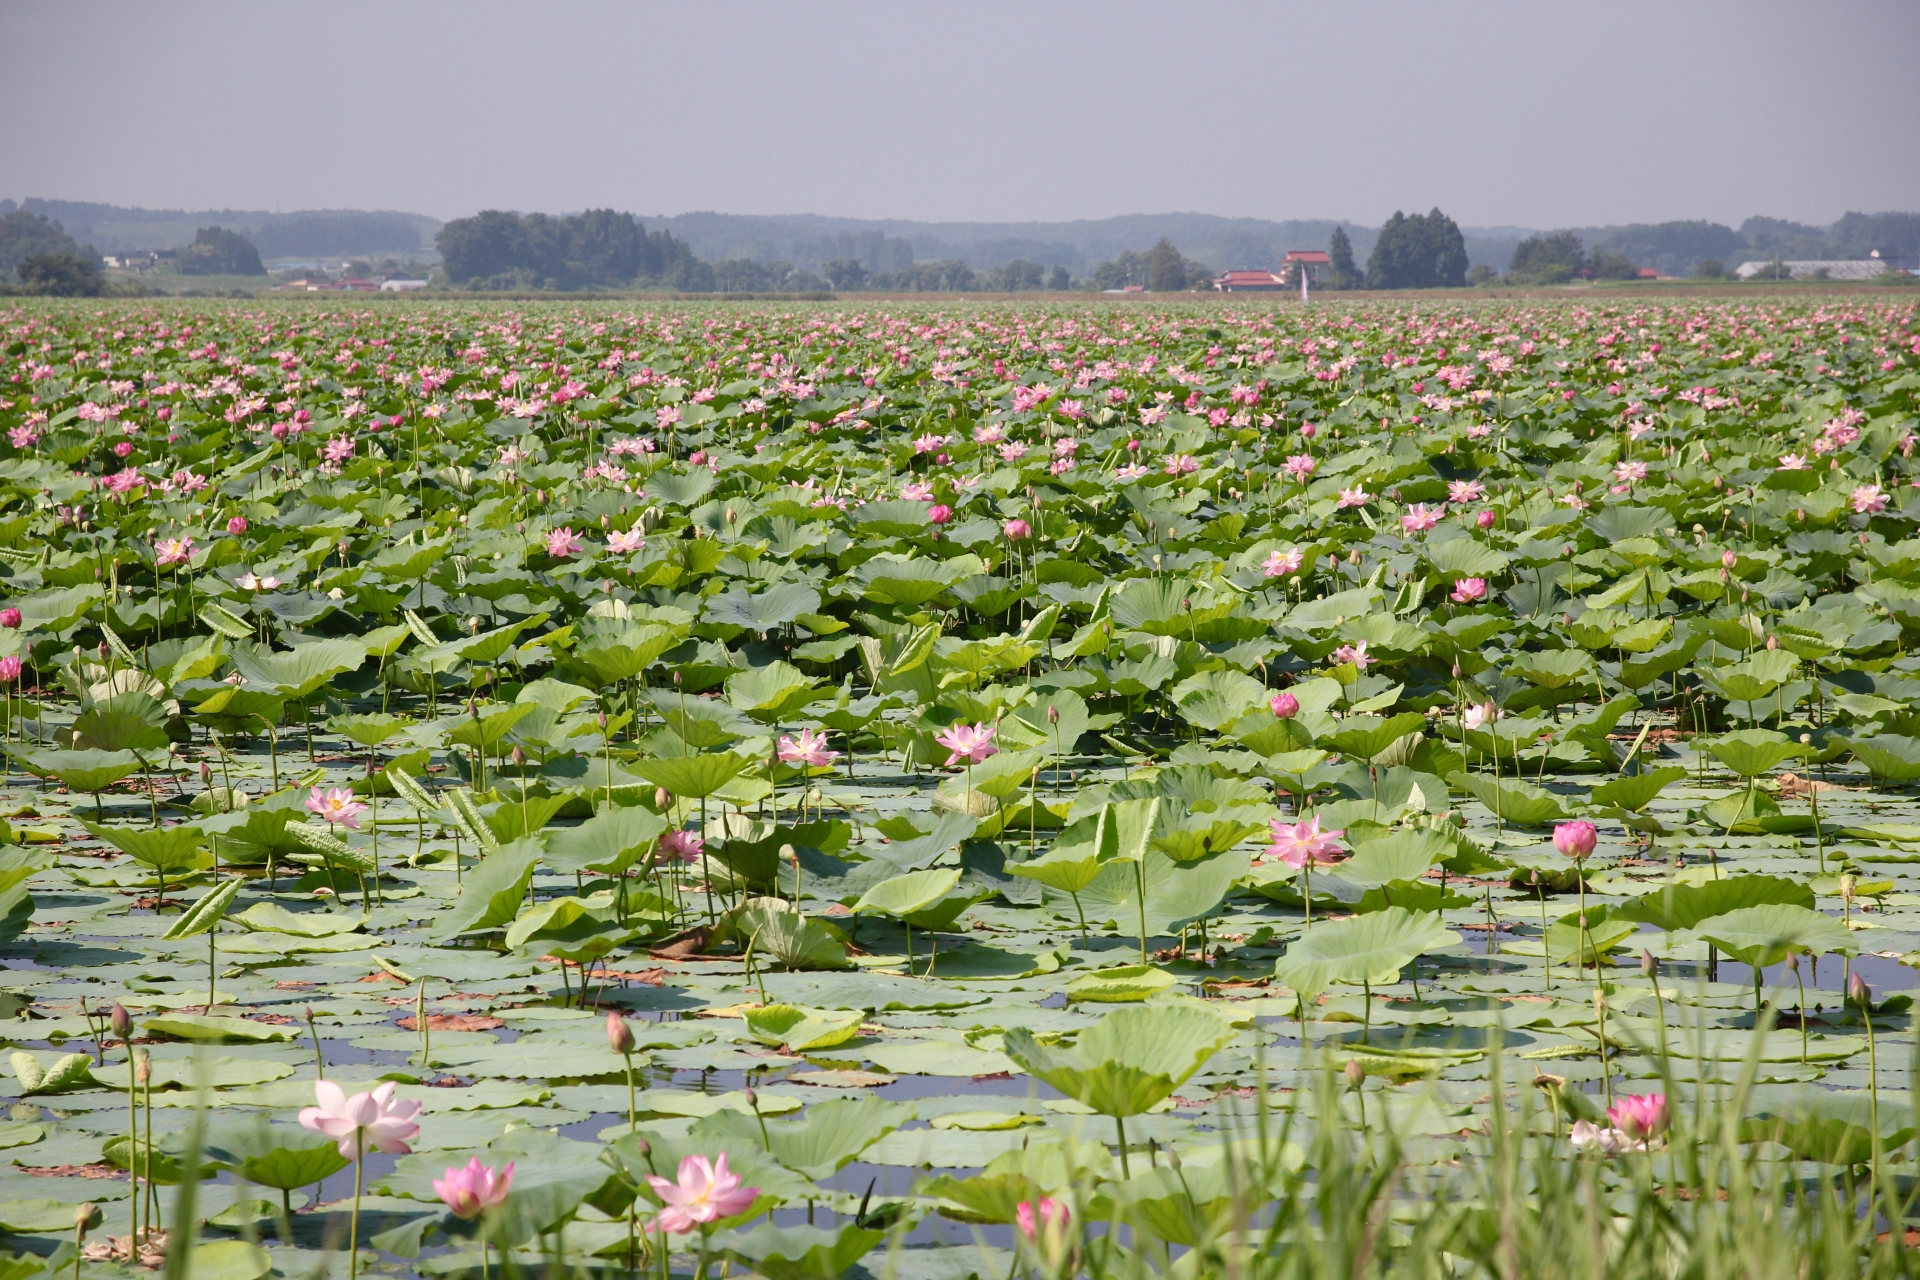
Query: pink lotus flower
column 993, row 433
column 170, row 551
column 1729, row 558
column 1420, row 518
column 683, row 845
column 1302, row 842
column 1299, row 466
column 1355, row 653
column 336, row 805
column 237, row 526
column 810, row 749
column 1467, row 590
column 1868, row 500
column 253, row 582
column 1576, row 839
column 365, row 1122
column 1465, row 491
column 1017, row 530
column 1629, row 472
column 705, row 1193
column 564, row 542
column 1012, row 451
column 939, row 513
column 1588, row 1136
column 1640, row 1115
column 471, row 1191
column 9, row 668
column 1354, row 497
column 970, row 742
column 1282, row 564
column 1793, row 462
column 1485, row 519
column 1045, row 1215
column 10, row 618
column 1481, row 714
column 625, row 541
column 1284, row 706
column 1182, row 464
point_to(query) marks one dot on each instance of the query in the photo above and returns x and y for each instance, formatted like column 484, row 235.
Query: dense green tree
column 845, row 273
column 1553, row 259
column 1341, row 271
column 606, row 246
column 1712, row 269
column 597, row 248
column 25, row 235
column 1018, row 276
column 61, row 275
column 1421, row 251
column 1611, row 266
column 216, row 251
column 1166, row 269
column 1060, row 281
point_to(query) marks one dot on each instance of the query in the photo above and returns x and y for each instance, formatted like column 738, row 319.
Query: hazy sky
column 1533, row 114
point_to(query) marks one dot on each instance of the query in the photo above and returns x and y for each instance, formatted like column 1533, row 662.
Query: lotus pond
column 1138, row 790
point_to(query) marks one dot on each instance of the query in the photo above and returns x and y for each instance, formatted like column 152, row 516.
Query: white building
column 401, row 286
column 1855, row 269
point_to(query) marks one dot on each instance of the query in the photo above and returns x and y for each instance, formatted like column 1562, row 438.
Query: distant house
column 1311, row 261
column 1854, row 269
column 1648, row 273
column 402, row 286
column 1249, row 282
column 358, row 286
column 318, row 284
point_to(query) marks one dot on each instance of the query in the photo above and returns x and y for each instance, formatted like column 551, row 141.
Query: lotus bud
column 1355, row 1073
column 1728, row 559
column 601, row 719
column 731, row 516
column 662, row 797
column 1849, row 885
column 82, row 1216
column 1173, row 1160
column 518, row 756
column 1053, row 714
column 142, row 1067
column 1284, row 706
column 644, row 1147
column 619, row 1034
column 1599, row 1000
column 1806, row 739
column 1648, row 965
column 1456, row 671
column 1858, row 991
column 121, row 1021
column 752, row 1098
column 676, row 679
column 206, row 774
column 1773, row 642
column 1485, row 519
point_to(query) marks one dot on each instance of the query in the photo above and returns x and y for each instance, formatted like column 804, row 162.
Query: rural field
column 1389, row 788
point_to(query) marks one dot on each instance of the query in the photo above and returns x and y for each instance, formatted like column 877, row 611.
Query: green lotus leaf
column 800, row 1029
column 1364, row 950
column 1766, row 935
column 1129, row 1061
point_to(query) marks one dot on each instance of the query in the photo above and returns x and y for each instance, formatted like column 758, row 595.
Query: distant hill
column 809, row 241
column 308, row 233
